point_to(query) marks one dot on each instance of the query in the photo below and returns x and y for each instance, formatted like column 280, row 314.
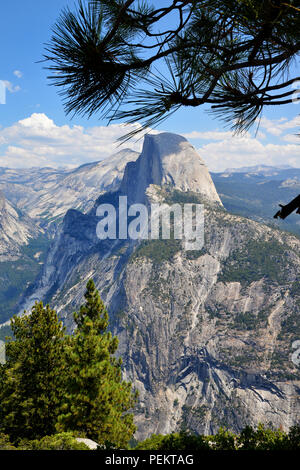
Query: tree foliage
column 5, row 443
column 130, row 60
column 53, row 382
column 59, row 441
column 31, row 380
column 175, row 441
column 97, row 399
column 265, row 439
column 261, row 438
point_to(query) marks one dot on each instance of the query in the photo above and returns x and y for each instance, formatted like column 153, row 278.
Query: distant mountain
column 261, row 169
column 206, row 336
column 35, row 202
column 46, row 194
column 257, row 191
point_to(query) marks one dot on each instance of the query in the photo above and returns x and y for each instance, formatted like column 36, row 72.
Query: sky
column 35, row 131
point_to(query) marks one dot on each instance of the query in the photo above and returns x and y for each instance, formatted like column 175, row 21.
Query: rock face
column 167, row 159
column 206, row 336
column 15, row 230
column 46, row 194
column 20, row 255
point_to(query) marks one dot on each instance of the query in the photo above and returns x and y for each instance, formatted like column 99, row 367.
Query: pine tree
column 131, row 60
column 97, row 399
column 31, row 380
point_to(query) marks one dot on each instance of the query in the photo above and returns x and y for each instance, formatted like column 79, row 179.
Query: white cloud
column 260, row 135
column 247, row 151
column 38, row 141
column 293, row 138
column 275, row 146
column 278, row 126
column 18, row 73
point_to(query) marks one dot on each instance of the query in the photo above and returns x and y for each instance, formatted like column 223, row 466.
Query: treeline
column 250, row 439
column 260, row 438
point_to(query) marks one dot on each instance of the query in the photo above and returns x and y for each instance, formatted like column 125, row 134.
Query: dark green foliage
column 294, row 438
column 60, row 441
column 157, row 250
column 295, row 289
column 5, row 443
column 245, row 321
column 258, row 259
column 37, row 245
column 223, row 440
column 31, row 380
column 261, row 438
column 13, row 277
column 97, row 400
column 291, row 326
column 175, row 196
column 176, row 441
column 195, row 254
column 53, row 382
column 250, row 439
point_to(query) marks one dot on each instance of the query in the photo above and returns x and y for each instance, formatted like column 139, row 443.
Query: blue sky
column 34, row 130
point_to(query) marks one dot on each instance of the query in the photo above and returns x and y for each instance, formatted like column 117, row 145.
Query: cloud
column 38, row 141
column 18, row 73
column 294, row 138
column 275, row 146
column 278, row 126
column 247, row 151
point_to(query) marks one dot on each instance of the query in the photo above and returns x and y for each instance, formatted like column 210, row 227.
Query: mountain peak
column 167, row 142
column 170, row 159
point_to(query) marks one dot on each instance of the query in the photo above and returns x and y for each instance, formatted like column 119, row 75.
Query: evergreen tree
column 97, row 399
column 139, row 62
column 31, row 380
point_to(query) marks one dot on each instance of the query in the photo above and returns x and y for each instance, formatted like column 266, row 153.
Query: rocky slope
column 22, row 246
column 36, row 201
column 206, row 336
column 46, row 194
column 16, row 229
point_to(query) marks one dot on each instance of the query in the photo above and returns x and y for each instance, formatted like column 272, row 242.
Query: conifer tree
column 131, row 60
column 31, row 380
column 97, row 399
